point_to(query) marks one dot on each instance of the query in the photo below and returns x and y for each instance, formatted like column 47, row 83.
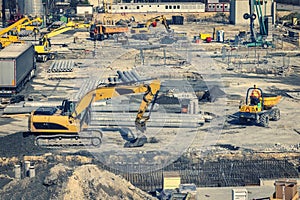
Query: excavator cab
column 67, row 107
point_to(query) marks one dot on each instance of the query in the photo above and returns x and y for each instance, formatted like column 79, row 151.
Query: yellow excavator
column 43, row 50
column 67, row 125
column 30, row 25
column 144, row 27
column 8, row 35
column 260, row 112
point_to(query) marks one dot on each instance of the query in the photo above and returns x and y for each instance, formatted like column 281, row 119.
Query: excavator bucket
column 138, row 142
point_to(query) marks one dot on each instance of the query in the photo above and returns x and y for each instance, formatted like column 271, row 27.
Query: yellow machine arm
column 160, row 18
column 150, row 92
column 28, row 23
column 14, row 25
column 44, row 41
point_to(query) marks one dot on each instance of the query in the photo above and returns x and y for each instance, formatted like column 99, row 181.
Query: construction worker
column 255, row 95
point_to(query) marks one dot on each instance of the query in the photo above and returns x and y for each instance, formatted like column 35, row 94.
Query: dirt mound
column 90, row 182
column 60, row 181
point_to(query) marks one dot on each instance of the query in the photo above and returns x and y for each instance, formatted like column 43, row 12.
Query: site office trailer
column 17, row 66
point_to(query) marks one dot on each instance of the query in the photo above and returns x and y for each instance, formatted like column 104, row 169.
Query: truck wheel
column 276, row 114
column 101, row 37
column 264, row 120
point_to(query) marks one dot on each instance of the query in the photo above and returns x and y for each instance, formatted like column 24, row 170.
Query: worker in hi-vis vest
column 255, row 95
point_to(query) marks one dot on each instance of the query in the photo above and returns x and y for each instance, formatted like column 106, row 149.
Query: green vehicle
column 260, row 39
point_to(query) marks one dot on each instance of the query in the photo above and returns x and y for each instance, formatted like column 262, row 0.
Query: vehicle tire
column 101, row 37
column 276, row 114
column 264, row 120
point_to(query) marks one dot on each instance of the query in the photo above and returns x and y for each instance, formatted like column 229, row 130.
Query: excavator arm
column 43, row 50
column 29, row 23
column 160, row 18
column 8, row 35
column 14, row 25
column 150, row 92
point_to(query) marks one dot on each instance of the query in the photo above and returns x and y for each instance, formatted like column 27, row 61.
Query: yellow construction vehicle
column 144, row 27
column 67, row 125
column 43, row 50
column 260, row 112
column 8, row 35
column 30, row 25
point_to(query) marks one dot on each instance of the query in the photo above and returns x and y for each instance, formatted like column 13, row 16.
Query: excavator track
column 84, row 139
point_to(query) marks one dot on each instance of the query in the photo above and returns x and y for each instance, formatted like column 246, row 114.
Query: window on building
column 138, row 7
column 121, row 7
column 178, row 6
column 217, row 6
column 170, row 7
column 126, row 7
column 166, row 7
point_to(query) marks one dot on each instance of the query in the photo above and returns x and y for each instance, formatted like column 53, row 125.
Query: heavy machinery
column 30, row 25
column 261, row 112
column 43, row 50
column 8, row 35
column 257, row 40
column 68, row 124
column 144, row 27
column 101, row 32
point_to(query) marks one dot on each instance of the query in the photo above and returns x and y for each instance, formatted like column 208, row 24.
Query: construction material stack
column 17, row 66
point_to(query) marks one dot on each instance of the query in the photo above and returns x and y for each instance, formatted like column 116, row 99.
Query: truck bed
column 114, row 29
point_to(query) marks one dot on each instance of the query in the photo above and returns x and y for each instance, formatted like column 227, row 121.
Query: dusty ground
column 222, row 138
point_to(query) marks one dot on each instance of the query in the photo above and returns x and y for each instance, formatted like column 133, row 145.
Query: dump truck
column 261, row 112
column 17, row 66
column 101, row 32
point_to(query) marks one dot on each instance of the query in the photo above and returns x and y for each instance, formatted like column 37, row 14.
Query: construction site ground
column 232, row 69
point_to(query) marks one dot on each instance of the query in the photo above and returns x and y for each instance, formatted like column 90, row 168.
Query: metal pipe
column 17, row 170
column 32, row 171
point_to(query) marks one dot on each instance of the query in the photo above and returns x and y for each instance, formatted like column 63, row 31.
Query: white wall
column 81, row 10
